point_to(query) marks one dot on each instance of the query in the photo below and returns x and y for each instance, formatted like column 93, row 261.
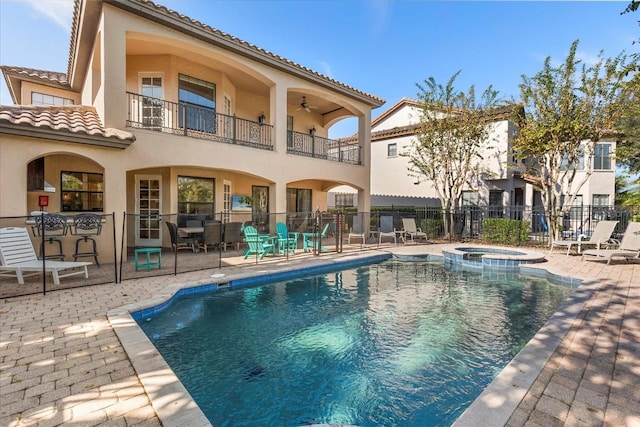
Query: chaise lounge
column 18, row 257
column 629, row 247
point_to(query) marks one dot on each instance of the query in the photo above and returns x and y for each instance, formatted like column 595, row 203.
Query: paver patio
column 61, row 362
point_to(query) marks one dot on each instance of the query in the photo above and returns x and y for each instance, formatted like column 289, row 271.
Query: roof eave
column 45, row 133
column 209, row 35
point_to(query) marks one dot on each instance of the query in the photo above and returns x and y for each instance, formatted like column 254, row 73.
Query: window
column 226, row 201
column 344, row 200
column 469, row 198
column 298, row 200
column 600, row 200
column 152, row 108
column 198, row 97
column 602, row 157
column 579, row 160
column 600, row 204
column 392, row 150
column 195, row 195
column 289, row 132
column 43, row 99
column 495, row 203
column 81, row 191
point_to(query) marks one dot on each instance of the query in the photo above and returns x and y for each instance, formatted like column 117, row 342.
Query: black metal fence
column 173, row 243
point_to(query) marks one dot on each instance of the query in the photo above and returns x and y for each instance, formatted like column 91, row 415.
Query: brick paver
column 61, row 362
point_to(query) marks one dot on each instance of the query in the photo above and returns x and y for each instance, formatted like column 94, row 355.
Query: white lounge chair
column 601, row 235
column 410, row 229
column 387, row 229
column 18, row 257
column 629, row 246
column 357, row 229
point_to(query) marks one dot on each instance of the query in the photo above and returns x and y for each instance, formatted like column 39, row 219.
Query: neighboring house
column 500, row 182
column 153, row 100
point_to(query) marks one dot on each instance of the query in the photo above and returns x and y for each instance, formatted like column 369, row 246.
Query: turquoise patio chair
column 258, row 245
column 287, row 240
column 313, row 240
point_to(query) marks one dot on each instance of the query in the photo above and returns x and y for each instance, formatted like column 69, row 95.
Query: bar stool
column 87, row 226
column 53, row 226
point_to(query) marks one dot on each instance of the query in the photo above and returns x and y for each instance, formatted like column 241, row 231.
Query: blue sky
column 383, row 47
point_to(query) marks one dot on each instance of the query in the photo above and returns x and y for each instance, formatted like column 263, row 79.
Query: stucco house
column 500, row 183
column 153, row 100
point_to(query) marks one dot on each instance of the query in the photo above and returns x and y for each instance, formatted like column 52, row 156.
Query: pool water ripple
column 394, row 343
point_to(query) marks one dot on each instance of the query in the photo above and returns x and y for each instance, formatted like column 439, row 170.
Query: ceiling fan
column 304, row 105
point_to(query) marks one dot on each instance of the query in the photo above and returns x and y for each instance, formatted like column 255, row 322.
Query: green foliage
column 505, row 231
column 433, row 227
column 568, row 109
column 452, row 130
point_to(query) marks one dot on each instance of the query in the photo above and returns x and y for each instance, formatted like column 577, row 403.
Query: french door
column 148, row 209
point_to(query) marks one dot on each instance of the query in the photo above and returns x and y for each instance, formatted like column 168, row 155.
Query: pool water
column 394, row 344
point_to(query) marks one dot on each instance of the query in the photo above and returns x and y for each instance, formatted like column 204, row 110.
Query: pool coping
column 493, row 407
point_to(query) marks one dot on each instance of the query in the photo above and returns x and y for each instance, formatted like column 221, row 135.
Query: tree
column 449, row 140
column 628, row 150
column 568, row 109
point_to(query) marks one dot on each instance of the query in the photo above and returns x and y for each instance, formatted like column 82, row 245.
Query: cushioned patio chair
column 629, row 247
column 601, row 236
column 178, row 242
column 410, row 229
column 212, row 236
column 18, row 257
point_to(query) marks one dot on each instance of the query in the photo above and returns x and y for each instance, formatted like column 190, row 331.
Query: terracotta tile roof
column 51, row 77
column 77, row 120
column 180, row 22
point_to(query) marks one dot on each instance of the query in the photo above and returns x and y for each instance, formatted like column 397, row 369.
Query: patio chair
column 232, row 235
column 314, row 240
column 386, row 229
column 212, row 236
column 54, row 227
column 601, row 235
column 86, row 226
column 410, row 229
column 287, row 240
column 178, row 242
column 18, row 257
column 257, row 244
column 629, row 247
column 357, row 229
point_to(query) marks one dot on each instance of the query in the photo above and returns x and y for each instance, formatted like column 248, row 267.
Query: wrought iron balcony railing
column 196, row 121
column 309, row 145
column 205, row 123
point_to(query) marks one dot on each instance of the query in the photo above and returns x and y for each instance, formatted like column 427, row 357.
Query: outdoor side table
column 147, row 252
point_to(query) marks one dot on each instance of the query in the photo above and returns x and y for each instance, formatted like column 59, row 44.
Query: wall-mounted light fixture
column 312, row 131
column 262, row 118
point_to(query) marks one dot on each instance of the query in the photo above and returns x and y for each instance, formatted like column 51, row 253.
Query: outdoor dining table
column 192, row 233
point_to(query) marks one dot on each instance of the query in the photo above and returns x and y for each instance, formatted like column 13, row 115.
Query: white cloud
column 326, row 68
column 59, row 11
column 380, row 12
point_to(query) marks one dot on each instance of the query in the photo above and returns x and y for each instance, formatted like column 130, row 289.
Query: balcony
column 196, row 122
column 310, row 145
column 205, row 123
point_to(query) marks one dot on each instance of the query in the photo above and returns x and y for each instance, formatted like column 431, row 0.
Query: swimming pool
column 393, row 343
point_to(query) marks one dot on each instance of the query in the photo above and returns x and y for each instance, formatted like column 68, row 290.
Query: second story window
column 392, row 150
column 44, row 99
column 197, row 97
column 152, row 110
column 602, row 157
